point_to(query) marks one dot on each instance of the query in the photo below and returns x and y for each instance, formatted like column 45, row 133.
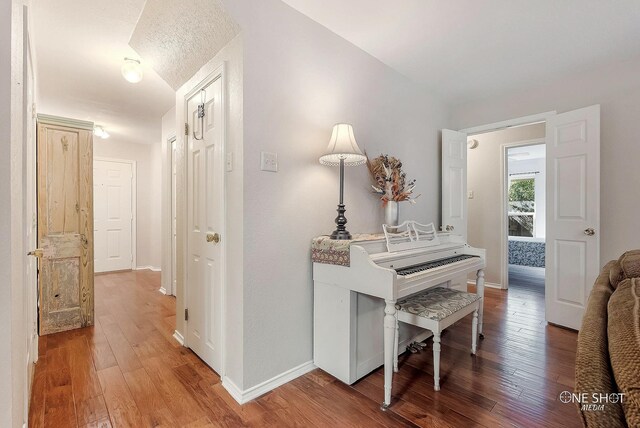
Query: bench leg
column 395, row 345
column 436, row 361
column 474, row 332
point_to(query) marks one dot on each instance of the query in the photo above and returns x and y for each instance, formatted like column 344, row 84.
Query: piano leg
column 389, row 340
column 480, row 291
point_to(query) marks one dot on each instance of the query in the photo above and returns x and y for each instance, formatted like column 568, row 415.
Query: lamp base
column 340, row 235
column 341, row 232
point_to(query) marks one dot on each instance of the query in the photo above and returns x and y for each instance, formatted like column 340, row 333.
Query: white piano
column 356, row 286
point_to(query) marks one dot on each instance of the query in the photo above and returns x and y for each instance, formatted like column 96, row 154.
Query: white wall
column 299, row 80
column 148, row 168
column 484, row 179
column 616, row 88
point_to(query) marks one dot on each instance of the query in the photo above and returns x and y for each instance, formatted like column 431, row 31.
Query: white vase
column 391, row 213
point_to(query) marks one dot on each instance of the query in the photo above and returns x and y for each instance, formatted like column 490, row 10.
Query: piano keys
column 409, row 270
column 356, row 285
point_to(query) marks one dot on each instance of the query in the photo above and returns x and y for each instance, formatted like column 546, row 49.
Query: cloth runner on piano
column 336, row 251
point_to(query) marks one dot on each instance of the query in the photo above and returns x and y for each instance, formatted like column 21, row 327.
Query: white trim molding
column 509, row 123
column 249, row 394
column 487, row 284
column 151, row 268
column 65, row 121
column 178, row 337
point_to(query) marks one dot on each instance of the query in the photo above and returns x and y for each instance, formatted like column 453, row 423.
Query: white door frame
column 173, row 261
column 504, row 222
column 134, row 209
column 182, row 209
column 497, row 126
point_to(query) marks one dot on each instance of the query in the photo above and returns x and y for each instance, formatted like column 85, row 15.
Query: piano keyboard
column 432, row 264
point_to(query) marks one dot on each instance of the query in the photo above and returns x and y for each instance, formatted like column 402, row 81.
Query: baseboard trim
column 151, row 268
column 162, row 290
column 247, row 395
column 487, row 284
column 179, row 337
column 232, row 389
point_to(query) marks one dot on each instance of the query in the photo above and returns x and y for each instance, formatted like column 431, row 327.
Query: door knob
column 213, row 237
column 449, row 228
column 589, row 231
column 37, row 253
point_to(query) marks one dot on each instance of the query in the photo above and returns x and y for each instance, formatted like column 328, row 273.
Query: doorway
column 488, row 181
column 525, row 208
column 572, row 211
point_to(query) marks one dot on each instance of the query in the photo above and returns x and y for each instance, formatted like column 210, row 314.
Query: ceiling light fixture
column 99, row 132
column 132, row 70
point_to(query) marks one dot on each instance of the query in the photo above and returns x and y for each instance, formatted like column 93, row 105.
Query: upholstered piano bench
column 436, row 309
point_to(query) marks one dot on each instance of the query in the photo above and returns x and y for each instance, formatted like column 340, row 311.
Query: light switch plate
column 268, row 161
column 470, row 194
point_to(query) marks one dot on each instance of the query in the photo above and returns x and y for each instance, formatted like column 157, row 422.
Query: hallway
column 128, row 370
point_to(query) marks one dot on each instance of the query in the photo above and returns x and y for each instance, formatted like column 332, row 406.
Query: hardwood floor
column 127, row 370
column 531, row 278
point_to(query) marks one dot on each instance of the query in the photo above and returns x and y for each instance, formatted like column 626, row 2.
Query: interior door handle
column 589, row 231
column 213, row 237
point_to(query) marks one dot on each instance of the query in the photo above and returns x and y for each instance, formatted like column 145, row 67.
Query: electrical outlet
column 268, row 161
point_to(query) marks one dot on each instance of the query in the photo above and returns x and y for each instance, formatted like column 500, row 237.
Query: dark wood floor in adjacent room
column 127, row 370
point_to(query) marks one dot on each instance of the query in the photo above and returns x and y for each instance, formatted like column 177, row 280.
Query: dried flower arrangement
column 390, row 181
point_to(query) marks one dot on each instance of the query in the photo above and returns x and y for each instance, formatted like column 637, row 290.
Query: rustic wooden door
column 65, row 225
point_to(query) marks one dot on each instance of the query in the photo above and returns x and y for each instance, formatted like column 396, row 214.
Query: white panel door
column 113, row 215
column 573, row 213
column 454, row 182
column 205, row 201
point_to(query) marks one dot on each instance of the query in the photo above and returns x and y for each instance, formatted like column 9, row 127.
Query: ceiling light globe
column 132, row 70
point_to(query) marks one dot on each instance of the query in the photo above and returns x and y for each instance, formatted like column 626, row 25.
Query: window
column 522, row 206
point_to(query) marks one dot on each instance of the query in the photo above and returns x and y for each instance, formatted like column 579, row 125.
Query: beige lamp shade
column 342, row 145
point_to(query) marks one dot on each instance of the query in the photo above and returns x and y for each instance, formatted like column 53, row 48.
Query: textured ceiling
column 468, row 49
column 177, row 38
column 80, row 46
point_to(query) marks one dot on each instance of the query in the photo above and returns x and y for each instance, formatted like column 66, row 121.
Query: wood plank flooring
column 528, row 277
column 128, row 371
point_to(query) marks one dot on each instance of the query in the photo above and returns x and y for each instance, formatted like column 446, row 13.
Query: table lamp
column 343, row 150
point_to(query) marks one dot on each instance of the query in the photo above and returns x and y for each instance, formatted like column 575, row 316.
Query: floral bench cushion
column 436, row 303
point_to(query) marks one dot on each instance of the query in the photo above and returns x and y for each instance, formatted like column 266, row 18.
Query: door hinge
column 186, row 128
column 186, row 314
